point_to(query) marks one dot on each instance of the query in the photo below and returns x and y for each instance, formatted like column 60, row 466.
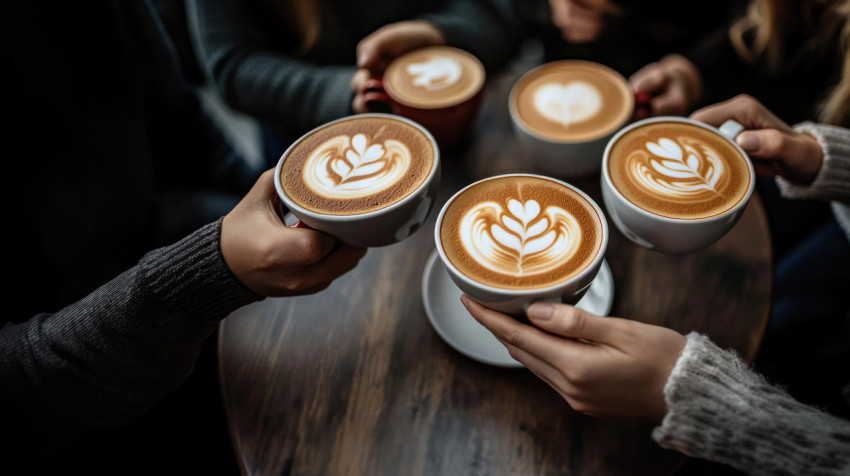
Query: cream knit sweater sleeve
column 720, row 410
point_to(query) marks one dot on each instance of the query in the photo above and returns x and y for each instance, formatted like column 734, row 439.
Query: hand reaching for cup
column 581, row 21
column 272, row 259
column 774, row 147
column 673, row 85
column 376, row 51
column 602, row 366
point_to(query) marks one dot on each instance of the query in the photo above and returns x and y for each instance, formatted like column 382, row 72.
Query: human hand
column 376, row 51
column 272, row 259
column 602, row 366
column 673, row 84
column 774, row 147
column 581, row 21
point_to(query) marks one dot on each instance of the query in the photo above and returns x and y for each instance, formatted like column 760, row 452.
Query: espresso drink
column 678, row 170
column 572, row 101
column 357, row 165
column 434, row 77
column 520, row 232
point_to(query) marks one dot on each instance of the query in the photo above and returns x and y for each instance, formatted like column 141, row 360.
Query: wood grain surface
column 355, row 381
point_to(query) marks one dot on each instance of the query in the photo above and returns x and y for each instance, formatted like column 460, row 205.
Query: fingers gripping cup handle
column 376, row 97
column 731, row 129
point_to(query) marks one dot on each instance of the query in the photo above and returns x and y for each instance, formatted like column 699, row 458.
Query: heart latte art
column 571, row 100
column 520, row 232
column 568, row 103
column 357, row 165
column 678, row 170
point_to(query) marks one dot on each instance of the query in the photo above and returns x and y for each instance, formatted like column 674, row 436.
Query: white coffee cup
column 385, row 225
column 516, row 301
column 569, row 144
column 670, row 234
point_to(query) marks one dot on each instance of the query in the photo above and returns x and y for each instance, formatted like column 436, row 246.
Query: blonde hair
column 771, row 21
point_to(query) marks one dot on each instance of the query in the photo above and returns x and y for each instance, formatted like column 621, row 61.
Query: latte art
column 683, row 167
column 437, row 73
column 347, row 166
column 520, row 239
column 358, row 164
column 568, row 103
column 678, row 170
column 520, row 232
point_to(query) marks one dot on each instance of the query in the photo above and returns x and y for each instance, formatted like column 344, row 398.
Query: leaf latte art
column 520, row 238
column 347, row 167
column 683, row 167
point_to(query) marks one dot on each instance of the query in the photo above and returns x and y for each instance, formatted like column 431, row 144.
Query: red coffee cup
column 439, row 87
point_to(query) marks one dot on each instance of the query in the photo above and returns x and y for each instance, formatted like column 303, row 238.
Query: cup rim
column 518, row 122
column 607, row 183
column 428, row 107
column 513, row 293
column 298, row 209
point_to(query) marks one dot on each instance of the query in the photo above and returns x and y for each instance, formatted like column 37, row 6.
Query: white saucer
column 460, row 330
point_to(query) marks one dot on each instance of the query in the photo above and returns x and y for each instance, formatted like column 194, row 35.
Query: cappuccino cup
column 675, row 185
column 564, row 113
column 367, row 180
column 510, row 240
column 439, row 87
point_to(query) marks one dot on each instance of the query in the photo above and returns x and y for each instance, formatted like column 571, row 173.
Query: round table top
column 355, row 380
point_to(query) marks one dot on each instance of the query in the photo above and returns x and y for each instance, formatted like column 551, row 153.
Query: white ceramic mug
column 666, row 234
column 385, row 226
column 515, row 301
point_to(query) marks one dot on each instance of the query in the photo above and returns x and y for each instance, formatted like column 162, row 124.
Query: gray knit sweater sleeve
column 255, row 75
column 105, row 359
column 720, row 410
column 833, row 180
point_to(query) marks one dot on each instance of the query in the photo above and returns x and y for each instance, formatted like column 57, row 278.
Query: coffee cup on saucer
column 513, row 239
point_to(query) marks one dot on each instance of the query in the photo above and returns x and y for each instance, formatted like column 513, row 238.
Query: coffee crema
column 520, row 232
column 357, row 165
column 678, row 170
column 572, row 101
column 434, row 77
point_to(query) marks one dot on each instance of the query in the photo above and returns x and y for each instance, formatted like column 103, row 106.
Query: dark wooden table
column 355, row 381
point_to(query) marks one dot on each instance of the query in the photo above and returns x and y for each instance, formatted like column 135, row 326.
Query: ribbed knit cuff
column 833, row 180
column 336, row 96
column 718, row 409
column 191, row 277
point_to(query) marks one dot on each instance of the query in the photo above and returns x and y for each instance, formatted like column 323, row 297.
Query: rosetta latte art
column 349, row 167
column 568, row 103
column 437, row 73
column 684, row 168
column 521, row 240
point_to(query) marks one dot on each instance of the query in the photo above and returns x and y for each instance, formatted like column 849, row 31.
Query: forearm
column 254, row 77
column 105, row 359
column 718, row 409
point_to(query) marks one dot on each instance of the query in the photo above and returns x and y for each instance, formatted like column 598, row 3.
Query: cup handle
column 731, row 129
column 376, row 97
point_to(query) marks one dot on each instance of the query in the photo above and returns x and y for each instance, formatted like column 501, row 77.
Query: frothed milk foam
column 357, row 165
column 434, row 77
column 520, row 232
column 678, row 170
column 572, row 101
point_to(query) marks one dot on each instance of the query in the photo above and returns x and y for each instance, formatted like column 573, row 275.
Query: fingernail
column 541, row 311
column 748, row 142
column 463, row 300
